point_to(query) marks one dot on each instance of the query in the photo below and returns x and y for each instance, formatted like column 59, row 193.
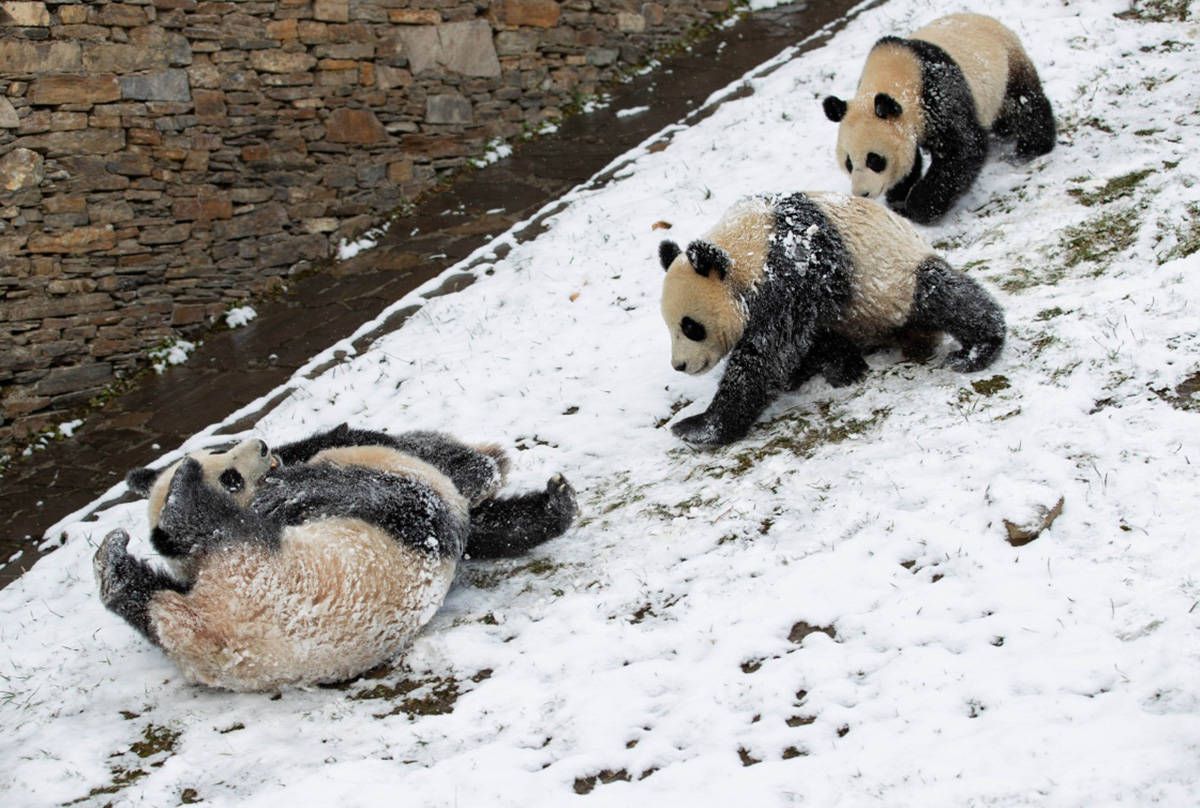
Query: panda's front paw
column 925, row 205
column 704, row 430
column 111, row 564
column 845, row 370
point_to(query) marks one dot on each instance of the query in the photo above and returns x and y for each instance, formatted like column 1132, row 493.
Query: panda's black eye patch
column 876, row 162
column 232, row 481
column 849, row 165
column 692, row 329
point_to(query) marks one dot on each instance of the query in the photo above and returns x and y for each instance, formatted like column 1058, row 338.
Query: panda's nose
column 865, row 193
column 262, row 448
column 681, row 367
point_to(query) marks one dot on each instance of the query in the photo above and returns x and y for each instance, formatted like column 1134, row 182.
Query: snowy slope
column 829, row 612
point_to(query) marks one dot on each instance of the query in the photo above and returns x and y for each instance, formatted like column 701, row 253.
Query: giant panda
column 316, row 562
column 942, row 90
column 789, row 286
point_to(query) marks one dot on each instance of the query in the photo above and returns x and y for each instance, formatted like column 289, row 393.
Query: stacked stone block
column 161, row 160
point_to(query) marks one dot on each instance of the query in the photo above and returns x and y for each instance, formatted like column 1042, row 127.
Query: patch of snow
column 495, row 150
column 631, row 111
column 173, row 353
column 239, row 316
column 350, row 248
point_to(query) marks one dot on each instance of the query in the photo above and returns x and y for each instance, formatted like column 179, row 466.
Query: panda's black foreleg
column 897, row 195
column 840, row 359
column 127, row 584
column 952, row 169
column 759, row 367
column 199, row 518
column 508, row 526
column 948, row 300
column 1026, row 114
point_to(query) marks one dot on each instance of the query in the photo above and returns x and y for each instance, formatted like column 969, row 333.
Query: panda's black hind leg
column 1026, row 115
column 127, row 584
column 948, row 300
column 508, row 526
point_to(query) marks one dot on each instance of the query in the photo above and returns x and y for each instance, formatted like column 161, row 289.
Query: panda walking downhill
column 319, row 561
column 796, row 285
column 941, row 90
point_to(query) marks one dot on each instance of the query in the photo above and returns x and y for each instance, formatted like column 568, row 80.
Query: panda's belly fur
column 338, row 597
column 884, row 251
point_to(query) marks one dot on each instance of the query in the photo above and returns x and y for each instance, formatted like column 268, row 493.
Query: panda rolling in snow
column 943, row 90
column 317, row 562
column 791, row 286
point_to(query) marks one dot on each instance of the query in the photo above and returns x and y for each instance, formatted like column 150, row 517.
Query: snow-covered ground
column 829, row 612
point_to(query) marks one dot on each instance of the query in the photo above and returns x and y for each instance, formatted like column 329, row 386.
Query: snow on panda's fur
column 791, row 286
column 942, row 90
column 317, row 562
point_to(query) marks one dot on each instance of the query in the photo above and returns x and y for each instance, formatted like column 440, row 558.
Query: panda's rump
column 982, row 48
column 338, row 597
column 885, row 251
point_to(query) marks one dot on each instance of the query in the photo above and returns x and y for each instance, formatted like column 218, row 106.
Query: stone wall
column 161, row 160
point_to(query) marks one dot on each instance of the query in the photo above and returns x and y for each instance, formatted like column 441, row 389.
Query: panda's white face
column 704, row 317
column 875, row 153
column 236, row 471
column 879, row 128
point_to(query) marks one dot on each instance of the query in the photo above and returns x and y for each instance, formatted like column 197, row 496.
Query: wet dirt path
column 234, row 368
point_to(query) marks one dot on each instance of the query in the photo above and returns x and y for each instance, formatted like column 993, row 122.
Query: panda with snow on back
column 796, row 285
column 943, row 90
column 319, row 561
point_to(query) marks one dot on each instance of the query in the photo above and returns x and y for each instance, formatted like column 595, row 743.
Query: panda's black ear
column 141, row 480
column 835, row 108
column 668, row 251
column 886, row 106
column 707, row 257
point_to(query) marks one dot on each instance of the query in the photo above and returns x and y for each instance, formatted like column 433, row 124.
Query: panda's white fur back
column 337, row 597
column 981, row 47
column 885, row 251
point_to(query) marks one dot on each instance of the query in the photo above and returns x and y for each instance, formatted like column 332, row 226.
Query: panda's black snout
column 865, row 193
column 262, row 448
column 681, row 367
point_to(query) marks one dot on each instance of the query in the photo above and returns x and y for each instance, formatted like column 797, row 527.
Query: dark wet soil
column 234, row 368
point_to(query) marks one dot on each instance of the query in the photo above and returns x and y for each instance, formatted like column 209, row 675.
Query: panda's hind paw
column 561, row 500
column 976, row 357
